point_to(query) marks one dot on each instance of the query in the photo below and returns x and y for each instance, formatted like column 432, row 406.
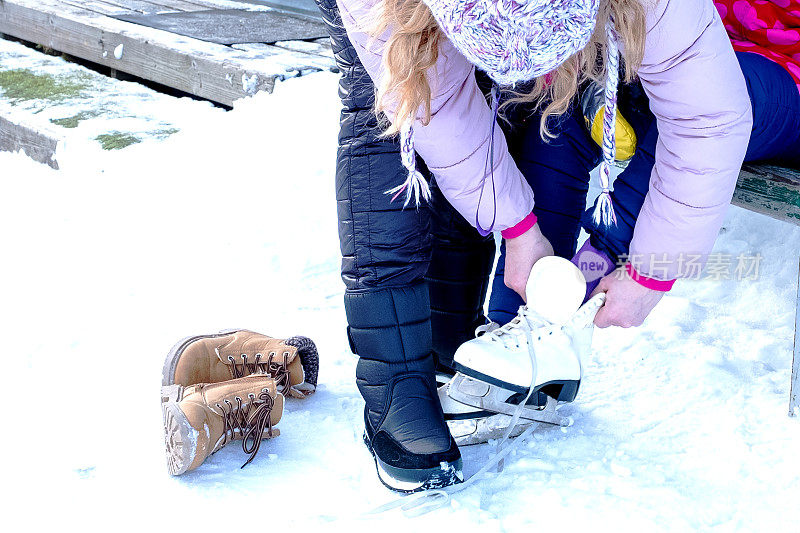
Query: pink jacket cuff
column 520, row 227
column 650, row 283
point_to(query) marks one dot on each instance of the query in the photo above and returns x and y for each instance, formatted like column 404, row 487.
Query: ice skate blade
column 469, row 432
column 407, row 481
column 490, row 397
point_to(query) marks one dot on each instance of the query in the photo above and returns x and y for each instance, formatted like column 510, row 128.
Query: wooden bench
column 775, row 191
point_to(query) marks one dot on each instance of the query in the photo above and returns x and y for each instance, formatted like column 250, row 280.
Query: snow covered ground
column 80, row 105
column 680, row 425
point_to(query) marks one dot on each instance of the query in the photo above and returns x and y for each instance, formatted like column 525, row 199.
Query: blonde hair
column 412, row 48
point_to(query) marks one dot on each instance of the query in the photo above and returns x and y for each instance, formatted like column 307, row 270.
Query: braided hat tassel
column 415, row 184
column 604, row 208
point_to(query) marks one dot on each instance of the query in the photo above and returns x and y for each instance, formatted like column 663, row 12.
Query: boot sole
column 559, row 390
column 180, row 439
column 179, row 436
column 408, row 480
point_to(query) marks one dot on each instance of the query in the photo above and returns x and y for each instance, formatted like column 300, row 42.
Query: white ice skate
column 535, row 356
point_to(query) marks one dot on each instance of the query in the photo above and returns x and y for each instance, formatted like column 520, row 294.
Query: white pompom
column 555, row 289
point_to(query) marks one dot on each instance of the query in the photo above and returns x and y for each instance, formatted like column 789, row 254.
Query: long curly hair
column 412, row 48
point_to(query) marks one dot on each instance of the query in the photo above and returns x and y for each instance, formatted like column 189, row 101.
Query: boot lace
column 248, row 419
column 277, row 369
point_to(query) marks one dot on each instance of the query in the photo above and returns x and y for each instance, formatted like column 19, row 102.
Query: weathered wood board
column 306, row 7
column 164, row 6
column 289, row 58
column 216, row 72
column 794, row 391
column 116, row 7
column 233, row 26
column 38, row 143
column 770, row 190
column 319, row 47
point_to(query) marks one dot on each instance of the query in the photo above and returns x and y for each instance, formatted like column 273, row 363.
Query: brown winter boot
column 293, row 363
column 203, row 417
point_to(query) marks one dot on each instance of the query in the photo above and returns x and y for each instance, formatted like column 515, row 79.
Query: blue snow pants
column 558, row 170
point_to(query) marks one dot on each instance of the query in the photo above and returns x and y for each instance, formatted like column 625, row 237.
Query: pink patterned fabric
column 516, row 40
column 769, row 28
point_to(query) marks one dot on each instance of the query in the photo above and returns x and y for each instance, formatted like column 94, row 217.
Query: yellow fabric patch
column 626, row 137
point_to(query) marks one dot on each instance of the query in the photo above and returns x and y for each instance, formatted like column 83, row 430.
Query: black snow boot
column 406, row 433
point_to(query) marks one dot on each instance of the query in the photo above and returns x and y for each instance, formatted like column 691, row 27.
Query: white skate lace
column 526, row 322
column 486, row 328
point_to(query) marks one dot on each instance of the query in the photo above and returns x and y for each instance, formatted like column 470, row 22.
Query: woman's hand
column 521, row 253
column 627, row 302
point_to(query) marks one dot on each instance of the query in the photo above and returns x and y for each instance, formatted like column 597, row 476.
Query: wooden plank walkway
column 770, row 190
column 223, row 74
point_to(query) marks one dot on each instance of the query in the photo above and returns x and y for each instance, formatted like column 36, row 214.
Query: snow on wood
column 315, row 48
column 45, row 100
column 216, row 72
column 289, row 58
column 36, row 141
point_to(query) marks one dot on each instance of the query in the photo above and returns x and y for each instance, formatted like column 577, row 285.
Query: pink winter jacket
column 697, row 93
